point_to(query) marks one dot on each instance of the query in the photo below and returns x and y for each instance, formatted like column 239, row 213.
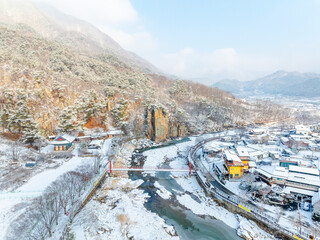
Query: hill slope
column 72, row 32
column 48, row 87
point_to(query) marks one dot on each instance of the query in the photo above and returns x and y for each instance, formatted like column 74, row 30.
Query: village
column 275, row 168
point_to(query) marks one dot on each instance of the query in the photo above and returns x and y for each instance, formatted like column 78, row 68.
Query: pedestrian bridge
column 110, row 168
column 133, row 169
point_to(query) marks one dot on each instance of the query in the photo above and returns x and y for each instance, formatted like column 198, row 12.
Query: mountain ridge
column 278, row 83
column 75, row 33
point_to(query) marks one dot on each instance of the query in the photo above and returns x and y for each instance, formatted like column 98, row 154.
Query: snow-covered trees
column 45, row 212
column 16, row 118
column 119, row 112
column 68, row 121
column 91, row 105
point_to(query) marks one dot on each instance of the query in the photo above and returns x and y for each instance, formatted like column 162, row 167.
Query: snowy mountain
column 67, row 76
column 74, row 33
column 278, row 83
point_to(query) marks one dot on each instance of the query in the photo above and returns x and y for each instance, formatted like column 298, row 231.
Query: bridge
column 150, row 169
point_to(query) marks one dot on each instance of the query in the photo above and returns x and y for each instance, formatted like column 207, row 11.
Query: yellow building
column 243, row 156
column 234, row 165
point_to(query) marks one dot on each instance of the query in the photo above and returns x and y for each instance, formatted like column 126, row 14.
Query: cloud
column 139, row 40
column 215, row 65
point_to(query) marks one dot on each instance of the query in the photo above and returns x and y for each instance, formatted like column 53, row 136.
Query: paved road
column 224, row 194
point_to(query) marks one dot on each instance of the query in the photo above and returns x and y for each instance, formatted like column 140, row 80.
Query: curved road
column 225, row 194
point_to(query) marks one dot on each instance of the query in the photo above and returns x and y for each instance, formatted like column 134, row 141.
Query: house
column 265, row 176
column 233, row 164
column 298, row 142
column 95, row 144
column 256, row 155
column 274, row 155
column 244, row 156
column 286, row 162
column 280, row 175
column 302, row 130
column 63, row 142
column 303, row 177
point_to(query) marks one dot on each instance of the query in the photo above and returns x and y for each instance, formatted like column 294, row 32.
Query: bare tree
column 44, row 206
column 63, row 196
column 39, row 232
column 70, row 181
column 53, row 191
column 15, row 150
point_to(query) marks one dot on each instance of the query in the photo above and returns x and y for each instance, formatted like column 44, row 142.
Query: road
column 222, row 193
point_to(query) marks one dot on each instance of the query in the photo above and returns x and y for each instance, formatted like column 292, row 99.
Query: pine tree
column 4, row 118
column 119, row 113
column 90, row 106
column 68, row 121
column 30, row 131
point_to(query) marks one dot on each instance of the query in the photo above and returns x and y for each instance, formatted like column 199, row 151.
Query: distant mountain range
column 279, row 83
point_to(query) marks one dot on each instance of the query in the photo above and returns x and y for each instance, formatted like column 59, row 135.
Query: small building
column 280, row 175
column 233, row 164
column 274, row 155
column 63, row 142
column 303, row 178
column 286, row 162
column 244, row 157
column 302, row 130
column 95, row 144
column 265, row 176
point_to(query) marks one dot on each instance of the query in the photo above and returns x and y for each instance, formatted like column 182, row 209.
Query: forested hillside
column 47, row 87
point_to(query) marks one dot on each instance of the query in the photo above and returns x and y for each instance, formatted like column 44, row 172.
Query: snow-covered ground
column 117, row 212
column 198, row 203
column 13, row 204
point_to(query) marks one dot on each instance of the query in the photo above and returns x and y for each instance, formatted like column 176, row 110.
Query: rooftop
column 304, row 170
column 242, row 151
column 231, row 156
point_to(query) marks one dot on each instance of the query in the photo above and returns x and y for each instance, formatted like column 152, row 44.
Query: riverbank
column 156, row 206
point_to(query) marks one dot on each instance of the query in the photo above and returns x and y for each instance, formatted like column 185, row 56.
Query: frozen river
column 187, row 224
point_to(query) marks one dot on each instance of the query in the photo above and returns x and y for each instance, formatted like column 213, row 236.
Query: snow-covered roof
column 232, row 156
column 284, row 139
column 263, row 172
column 252, row 164
column 256, row 153
column 298, row 137
column 302, row 128
column 298, row 190
column 114, row 132
column 280, row 172
column 63, row 139
column 304, row 170
column 316, row 197
column 303, row 178
column 242, row 151
column 96, row 142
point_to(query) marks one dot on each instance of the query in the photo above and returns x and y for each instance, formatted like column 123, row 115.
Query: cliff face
column 159, row 128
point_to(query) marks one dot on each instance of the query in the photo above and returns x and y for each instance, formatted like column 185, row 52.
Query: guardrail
column 234, row 199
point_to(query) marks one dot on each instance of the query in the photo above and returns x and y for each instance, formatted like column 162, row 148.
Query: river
column 188, row 225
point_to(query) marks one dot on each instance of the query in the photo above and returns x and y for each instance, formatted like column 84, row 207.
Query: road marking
column 244, row 208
